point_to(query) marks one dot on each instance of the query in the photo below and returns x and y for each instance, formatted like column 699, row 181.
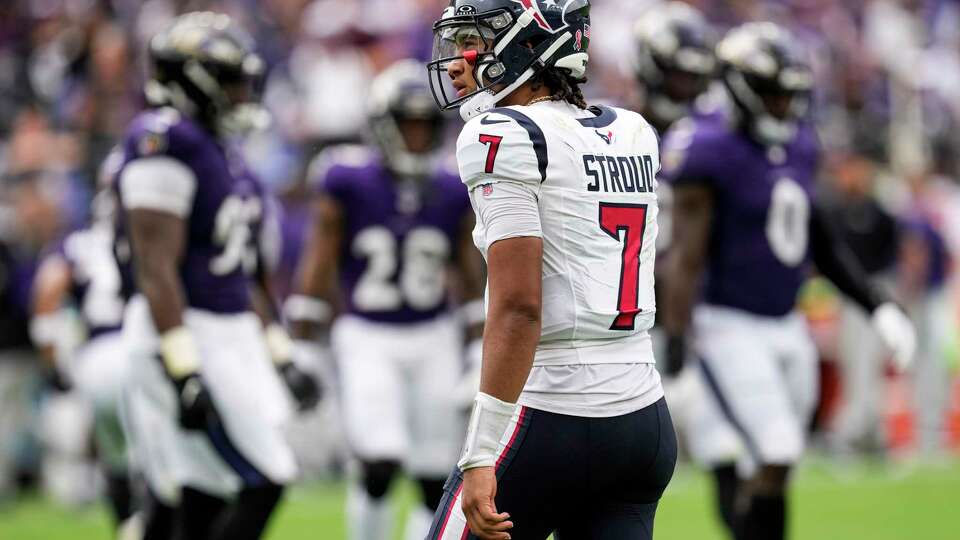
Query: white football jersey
column 594, row 174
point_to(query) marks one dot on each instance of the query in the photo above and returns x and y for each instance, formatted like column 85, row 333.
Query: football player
column 391, row 222
column 746, row 228
column 569, row 433
column 675, row 67
column 82, row 275
column 674, row 62
column 207, row 403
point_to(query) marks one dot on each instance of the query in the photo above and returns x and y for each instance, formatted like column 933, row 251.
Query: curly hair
column 562, row 86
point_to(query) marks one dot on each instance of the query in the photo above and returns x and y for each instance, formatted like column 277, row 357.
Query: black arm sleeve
column 834, row 259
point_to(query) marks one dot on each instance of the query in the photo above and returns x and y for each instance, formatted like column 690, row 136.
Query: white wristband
column 488, row 422
column 300, row 307
column 47, row 328
column 179, row 352
column 278, row 343
column 473, row 312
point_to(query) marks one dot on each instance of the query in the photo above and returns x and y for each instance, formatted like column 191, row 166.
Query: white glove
column 897, row 333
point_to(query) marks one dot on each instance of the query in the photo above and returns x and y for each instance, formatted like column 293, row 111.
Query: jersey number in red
column 494, row 142
column 632, row 220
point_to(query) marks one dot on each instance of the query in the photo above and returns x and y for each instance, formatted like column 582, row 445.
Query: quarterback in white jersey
column 570, row 405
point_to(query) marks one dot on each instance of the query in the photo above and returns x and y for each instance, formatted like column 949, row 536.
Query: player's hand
column 302, row 385
column 897, row 333
column 478, row 493
column 196, row 407
column 676, row 355
column 54, row 379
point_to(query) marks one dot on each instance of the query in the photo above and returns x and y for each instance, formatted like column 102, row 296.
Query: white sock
column 368, row 519
column 418, row 523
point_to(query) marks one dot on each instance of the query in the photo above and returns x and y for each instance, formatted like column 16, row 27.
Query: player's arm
column 157, row 194
column 157, row 239
column 834, row 259
column 502, row 173
column 692, row 216
column 51, row 286
column 303, row 387
column 513, row 321
column 310, row 310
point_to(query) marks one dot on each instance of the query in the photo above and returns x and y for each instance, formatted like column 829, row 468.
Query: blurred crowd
column 887, row 107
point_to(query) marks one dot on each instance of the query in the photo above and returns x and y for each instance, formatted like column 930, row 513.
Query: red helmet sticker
column 537, row 15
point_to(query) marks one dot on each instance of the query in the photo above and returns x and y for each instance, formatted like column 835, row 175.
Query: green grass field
column 868, row 502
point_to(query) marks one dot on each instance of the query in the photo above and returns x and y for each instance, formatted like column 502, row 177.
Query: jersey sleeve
column 505, row 210
column 496, row 147
column 160, row 183
column 687, row 155
column 157, row 175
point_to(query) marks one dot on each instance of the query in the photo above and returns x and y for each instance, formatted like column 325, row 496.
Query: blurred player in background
column 673, row 66
column 674, row 62
column 207, row 403
column 569, row 432
column 82, row 275
column 29, row 221
column 746, row 223
column 392, row 225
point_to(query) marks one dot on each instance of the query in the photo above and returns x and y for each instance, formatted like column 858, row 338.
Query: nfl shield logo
column 486, row 190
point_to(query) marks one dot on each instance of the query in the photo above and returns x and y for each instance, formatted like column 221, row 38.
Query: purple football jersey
column 758, row 249
column 399, row 238
column 226, row 214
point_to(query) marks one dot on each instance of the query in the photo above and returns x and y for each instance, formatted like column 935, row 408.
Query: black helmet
column 401, row 93
column 517, row 40
column 768, row 78
column 674, row 59
column 200, row 63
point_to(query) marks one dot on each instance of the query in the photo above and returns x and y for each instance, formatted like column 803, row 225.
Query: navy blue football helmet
column 404, row 122
column 674, row 59
column 506, row 43
column 204, row 65
column 768, row 78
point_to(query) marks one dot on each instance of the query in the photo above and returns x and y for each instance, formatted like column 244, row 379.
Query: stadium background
column 887, row 106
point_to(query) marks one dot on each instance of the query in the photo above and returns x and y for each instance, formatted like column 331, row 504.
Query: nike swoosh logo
column 487, row 122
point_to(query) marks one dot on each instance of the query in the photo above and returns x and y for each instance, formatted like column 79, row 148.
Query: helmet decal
column 537, row 15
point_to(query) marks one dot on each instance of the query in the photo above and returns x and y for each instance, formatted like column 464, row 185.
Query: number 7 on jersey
column 632, row 220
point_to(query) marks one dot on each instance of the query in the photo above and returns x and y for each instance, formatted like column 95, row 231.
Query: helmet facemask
column 774, row 109
column 672, row 89
column 241, row 93
column 470, row 39
column 409, row 141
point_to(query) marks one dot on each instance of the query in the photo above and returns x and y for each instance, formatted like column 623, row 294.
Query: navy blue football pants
column 579, row 478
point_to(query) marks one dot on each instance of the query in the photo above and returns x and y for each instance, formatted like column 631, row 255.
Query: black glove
column 676, row 354
column 55, row 380
column 195, row 403
column 302, row 385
